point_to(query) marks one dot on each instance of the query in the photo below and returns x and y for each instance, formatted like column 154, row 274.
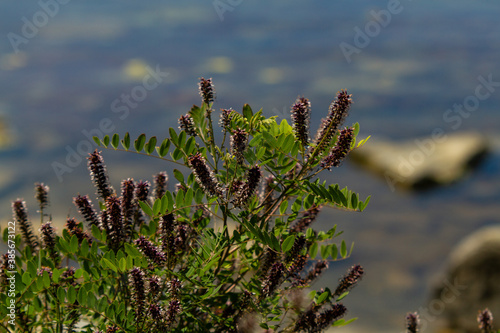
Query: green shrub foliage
column 229, row 248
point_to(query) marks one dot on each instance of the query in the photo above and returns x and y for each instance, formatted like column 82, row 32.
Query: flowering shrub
column 230, row 249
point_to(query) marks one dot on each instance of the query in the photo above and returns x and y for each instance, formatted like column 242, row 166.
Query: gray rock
column 471, row 283
column 424, row 162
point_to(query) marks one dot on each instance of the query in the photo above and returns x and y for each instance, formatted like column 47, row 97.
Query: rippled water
column 67, row 76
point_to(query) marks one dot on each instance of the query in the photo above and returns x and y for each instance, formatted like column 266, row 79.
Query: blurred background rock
column 69, row 79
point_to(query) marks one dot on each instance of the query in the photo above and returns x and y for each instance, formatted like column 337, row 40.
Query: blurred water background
column 59, row 82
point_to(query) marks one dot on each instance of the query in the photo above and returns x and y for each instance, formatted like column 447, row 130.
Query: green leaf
column 61, row 294
column 362, row 205
column 71, row 294
column 182, row 139
column 146, row 208
column 354, row 201
column 198, row 196
column 126, row 141
column 343, row 249
column 274, row 242
column 322, row 297
column 173, row 136
column 334, row 252
column 343, row 322
column 156, row 207
column 313, row 250
column 356, row 129
column 344, row 294
column 26, row 278
column 97, row 140
column 288, row 243
column 170, row 201
column 247, row 111
column 55, row 275
column 82, row 295
column 96, row 232
column 115, row 141
column 283, row 207
column 179, row 176
column 140, row 142
column 103, row 304
column 123, row 265
column 271, row 140
column 190, row 145
column 107, row 263
column 46, row 279
column 84, row 248
column 149, row 148
column 163, row 150
column 179, row 199
column 73, row 245
column 177, row 154
column 105, row 141
column 91, row 300
column 325, row 251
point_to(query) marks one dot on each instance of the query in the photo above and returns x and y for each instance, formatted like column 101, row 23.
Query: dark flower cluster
column 154, row 285
column 42, row 195
column 273, row 279
column 207, row 90
column 150, row 250
column 115, row 230
column 337, row 112
column 298, row 264
column 48, row 237
column 137, row 284
column 301, row 114
column 21, row 218
column 225, row 118
column 239, row 142
column 204, row 176
column 42, row 269
column 129, row 204
column 269, row 257
column 412, row 322
column 86, row 209
column 141, row 194
column 308, row 217
column 68, row 276
column 298, row 245
column 314, row 320
column 485, row 321
column 352, row 277
column 341, row 149
column 174, row 308
column 160, row 181
column 318, row 268
column 248, row 189
column 99, row 175
column 74, row 228
column 267, row 197
column 186, row 124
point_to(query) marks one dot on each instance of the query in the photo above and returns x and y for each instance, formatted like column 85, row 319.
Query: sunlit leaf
column 126, row 141
column 140, row 142
column 115, row 141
